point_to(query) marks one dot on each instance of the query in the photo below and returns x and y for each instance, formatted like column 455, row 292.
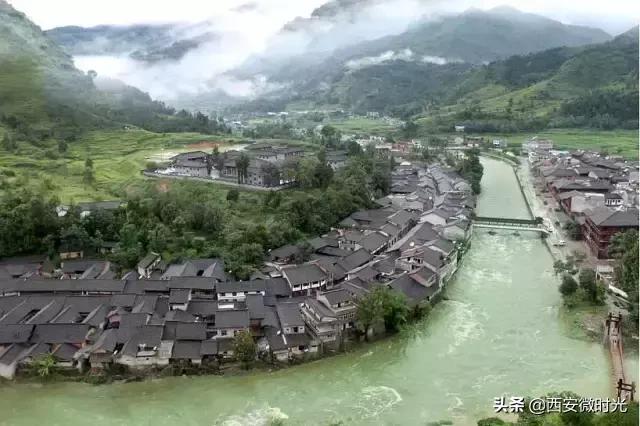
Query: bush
column 244, row 348
column 233, row 195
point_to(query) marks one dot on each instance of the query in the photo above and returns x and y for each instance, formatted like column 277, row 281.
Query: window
column 234, row 293
column 295, row 329
column 223, row 332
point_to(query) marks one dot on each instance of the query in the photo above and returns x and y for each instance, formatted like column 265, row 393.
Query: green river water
column 498, row 333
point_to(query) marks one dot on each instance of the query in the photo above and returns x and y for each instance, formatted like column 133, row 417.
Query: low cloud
column 257, row 38
column 439, row 60
column 388, row 56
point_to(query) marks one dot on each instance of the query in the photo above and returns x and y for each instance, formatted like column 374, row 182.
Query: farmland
column 118, row 157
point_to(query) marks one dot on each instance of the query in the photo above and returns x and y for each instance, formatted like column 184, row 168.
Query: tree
column 323, row 172
column 560, row 267
column 87, row 177
column 330, row 136
column 370, row 310
column 471, row 169
column 242, row 164
column 410, row 129
column 306, row 173
column 244, row 348
column 8, row 143
column 75, row 237
column 630, row 418
column 587, row 280
column 271, row 174
column 573, row 230
column 568, row 285
column 233, row 195
column 624, row 248
column 382, row 305
column 62, row 146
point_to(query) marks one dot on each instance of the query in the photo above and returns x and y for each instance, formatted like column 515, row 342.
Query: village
column 265, row 165
column 588, row 198
column 301, row 304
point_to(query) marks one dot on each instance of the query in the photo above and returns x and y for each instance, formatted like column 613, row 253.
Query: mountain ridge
column 45, row 96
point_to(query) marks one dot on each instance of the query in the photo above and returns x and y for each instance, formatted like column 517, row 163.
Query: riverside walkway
column 613, row 340
column 533, row 225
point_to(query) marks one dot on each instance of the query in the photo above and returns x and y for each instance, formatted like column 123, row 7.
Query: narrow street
column 556, row 219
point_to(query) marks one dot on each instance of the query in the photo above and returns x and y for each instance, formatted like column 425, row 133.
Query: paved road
column 531, row 189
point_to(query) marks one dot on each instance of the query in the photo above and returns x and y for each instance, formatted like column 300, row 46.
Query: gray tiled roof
column 187, row 349
column 191, row 331
column 305, row 273
column 232, row 319
column 289, row 314
column 613, row 218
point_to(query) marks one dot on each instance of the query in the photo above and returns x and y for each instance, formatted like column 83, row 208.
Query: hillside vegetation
column 592, row 86
column 44, row 96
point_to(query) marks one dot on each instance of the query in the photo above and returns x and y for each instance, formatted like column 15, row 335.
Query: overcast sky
column 266, row 16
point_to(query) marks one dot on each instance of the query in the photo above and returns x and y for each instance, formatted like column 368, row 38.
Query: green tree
column 323, row 172
column 244, row 348
column 568, row 285
column 471, row 169
column 8, row 143
column 587, row 280
column 242, row 164
column 574, row 230
column 306, row 173
column 410, row 129
column 371, row 310
column 62, row 146
column 330, row 136
column 630, row 418
column 382, row 305
column 624, row 249
column 560, row 267
column 87, row 176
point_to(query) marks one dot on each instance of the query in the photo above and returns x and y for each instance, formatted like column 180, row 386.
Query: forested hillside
column 44, row 95
column 587, row 86
column 594, row 86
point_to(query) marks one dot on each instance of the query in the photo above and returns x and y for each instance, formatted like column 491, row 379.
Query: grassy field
column 621, row 142
column 118, row 157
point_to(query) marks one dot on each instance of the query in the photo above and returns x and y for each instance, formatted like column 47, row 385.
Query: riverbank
column 497, row 331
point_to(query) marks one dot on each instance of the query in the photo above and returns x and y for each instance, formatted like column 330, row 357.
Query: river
column 498, row 333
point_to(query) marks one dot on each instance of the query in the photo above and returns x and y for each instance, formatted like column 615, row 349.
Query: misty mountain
column 480, row 36
column 148, row 43
column 588, row 86
column 423, row 63
column 473, row 36
column 44, row 95
column 585, row 86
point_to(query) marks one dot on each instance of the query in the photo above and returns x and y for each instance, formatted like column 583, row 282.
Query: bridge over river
column 499, row 332
column 533, row 225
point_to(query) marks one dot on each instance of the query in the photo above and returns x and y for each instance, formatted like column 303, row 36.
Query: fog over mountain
column 255, row 48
